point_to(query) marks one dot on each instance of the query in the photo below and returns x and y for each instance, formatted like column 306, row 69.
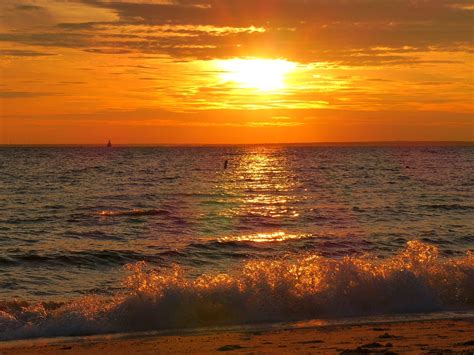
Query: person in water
column 225, row 164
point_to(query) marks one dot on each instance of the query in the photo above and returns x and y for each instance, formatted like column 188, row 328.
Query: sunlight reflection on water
column 265, row 237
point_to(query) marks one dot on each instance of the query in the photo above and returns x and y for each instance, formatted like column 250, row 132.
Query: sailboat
column 109, row 145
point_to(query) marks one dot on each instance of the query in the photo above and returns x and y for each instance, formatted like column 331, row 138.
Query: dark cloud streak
column 23, row 53
column 340, row 31
column 25, row 94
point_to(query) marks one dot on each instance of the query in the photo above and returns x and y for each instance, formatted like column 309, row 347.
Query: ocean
column 97, row 240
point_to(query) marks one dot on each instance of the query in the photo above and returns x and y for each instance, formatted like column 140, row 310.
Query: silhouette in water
column 225, row 164
column 109, row 145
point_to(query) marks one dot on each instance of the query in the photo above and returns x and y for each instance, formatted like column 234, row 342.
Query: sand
column 428, row 336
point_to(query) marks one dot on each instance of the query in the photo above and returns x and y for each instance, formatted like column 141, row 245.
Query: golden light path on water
column 267, row 184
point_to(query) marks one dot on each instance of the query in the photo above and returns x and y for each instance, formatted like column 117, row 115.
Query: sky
column 235, row 71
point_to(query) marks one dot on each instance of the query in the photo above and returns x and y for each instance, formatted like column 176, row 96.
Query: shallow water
column 72, row 217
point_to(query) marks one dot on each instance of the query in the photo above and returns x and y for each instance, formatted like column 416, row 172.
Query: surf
column 295, row 288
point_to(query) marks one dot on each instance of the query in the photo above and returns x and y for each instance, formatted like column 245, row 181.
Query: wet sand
column 428, row 336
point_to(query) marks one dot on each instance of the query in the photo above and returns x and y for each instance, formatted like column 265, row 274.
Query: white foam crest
column 303, row 287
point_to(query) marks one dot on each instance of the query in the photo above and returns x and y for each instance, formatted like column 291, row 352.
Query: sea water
column 96, row 239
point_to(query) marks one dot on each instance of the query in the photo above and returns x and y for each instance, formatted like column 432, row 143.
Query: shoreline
column 438, row 335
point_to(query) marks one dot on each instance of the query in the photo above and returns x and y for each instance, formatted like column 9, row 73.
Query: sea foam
column 297, row 288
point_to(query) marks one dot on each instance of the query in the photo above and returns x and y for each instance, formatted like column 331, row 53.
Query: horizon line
column 388, row 142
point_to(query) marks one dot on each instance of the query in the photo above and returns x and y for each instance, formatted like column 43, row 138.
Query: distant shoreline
column 308, row 144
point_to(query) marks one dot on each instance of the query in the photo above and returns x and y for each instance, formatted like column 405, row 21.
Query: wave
column 449, row 207
column 202, row 251
column 134, row 212
column 91, row 258
column 298, row 288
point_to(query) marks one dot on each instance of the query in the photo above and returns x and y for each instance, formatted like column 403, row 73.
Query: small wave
column 449, row 207
column 134, row 212
column 304, row 287
column 84, row 258
column 93, row 234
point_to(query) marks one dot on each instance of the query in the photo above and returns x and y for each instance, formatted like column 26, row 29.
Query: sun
column 261, row 74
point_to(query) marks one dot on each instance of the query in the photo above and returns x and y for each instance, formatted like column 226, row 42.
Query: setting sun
column 261, row 74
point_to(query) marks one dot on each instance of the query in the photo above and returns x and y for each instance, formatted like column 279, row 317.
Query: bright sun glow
column 262, row 74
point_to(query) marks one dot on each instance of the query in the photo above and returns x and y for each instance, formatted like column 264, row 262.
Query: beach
column 427, row 336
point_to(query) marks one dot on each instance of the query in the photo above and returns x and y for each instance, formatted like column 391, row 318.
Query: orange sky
column 235, row 71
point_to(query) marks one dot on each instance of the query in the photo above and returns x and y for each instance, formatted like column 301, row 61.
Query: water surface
column 72, row 217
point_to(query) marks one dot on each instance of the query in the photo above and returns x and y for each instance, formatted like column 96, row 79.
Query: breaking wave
column 297, row 288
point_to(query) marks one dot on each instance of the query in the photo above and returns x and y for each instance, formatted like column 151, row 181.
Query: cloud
column 359, row 63
column 358, row 32
column 288, row 12
column 22, row 53
column 28, row 7
column 108, row 50
column 25, row 94
column 25, row 15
